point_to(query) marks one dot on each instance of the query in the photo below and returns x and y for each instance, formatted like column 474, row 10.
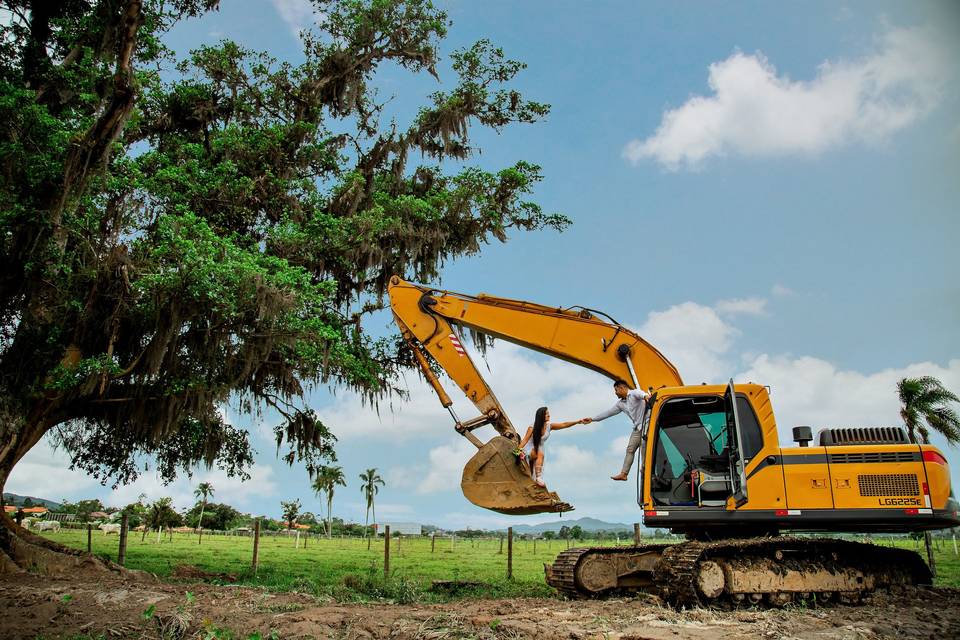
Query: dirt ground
column 32, row 607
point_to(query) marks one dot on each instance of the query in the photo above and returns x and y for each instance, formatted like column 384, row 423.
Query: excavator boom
column 429, row 320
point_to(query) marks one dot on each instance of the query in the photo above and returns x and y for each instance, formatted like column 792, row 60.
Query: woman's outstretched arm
column 564, row 425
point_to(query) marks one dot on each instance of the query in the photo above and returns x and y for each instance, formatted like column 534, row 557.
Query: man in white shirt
column 632, row 402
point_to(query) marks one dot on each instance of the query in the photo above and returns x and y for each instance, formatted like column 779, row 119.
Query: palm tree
column 325, row 482
column 203, row 491
column 371, row 484
column 924, row 405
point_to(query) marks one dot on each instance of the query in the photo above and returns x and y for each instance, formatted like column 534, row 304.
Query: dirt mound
column 114, row 608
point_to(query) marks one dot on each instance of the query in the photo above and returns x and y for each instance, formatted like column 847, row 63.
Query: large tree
column 176, row 235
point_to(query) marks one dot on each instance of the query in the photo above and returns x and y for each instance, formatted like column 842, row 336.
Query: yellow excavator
column 712, row 467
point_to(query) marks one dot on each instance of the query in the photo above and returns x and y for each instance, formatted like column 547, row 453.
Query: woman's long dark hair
column 538, row 422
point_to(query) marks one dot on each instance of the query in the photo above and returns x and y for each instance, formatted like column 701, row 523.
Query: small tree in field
column 326, row 481
column 203, row 491
column 371, row 483
column 925, row 405
column 160, row 514
column 290, row 512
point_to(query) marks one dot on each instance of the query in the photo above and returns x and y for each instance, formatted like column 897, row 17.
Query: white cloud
column 243, row 495
column 753, row 111
column 45, row 473
column 782, row 291
column 811, row 391
column 694, row 337
column 445, row 466
column 742, row 306
column 298, row 14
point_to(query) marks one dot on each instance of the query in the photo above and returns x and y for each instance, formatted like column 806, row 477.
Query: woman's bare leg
column 538, row 467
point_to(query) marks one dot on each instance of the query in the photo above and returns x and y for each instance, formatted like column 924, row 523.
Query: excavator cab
column 497, row 478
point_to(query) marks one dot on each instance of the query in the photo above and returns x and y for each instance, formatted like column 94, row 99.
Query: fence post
column 501, row 545
column 509, row 553
column 399, row 550
column 256, row 546
column 534, row 546
column 636, row 534
column 296, row 543
column 433, row 542
column 122, row 553
column 89, row 538
column 386, row 551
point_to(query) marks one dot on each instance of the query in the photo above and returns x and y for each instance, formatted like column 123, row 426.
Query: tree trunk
column 200, row 522
column 20, row 550
column 930, row 559
column 366, row 526
column 329, row 515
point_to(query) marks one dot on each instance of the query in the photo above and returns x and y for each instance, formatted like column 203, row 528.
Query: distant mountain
column 587, row 524
column 15, row 500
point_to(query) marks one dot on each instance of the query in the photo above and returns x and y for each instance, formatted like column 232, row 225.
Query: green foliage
column 325, row 481
column 177, row 233
column 216, row 516
column 82, row 508
column 371, row 485
column 290, row 510
column 161, row 514
column 925, row 405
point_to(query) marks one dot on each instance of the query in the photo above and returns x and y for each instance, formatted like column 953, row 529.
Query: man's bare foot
column 619, row 476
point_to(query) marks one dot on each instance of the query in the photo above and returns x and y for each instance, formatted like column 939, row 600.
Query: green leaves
column 236, row 226
column 925, row 405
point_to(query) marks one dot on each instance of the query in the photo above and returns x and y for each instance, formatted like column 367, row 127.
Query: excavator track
column 771, row 571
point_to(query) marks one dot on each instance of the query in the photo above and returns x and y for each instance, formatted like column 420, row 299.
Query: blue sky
column 766, row 191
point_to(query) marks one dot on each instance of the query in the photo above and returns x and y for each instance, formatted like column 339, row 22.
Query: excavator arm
column 495, row 478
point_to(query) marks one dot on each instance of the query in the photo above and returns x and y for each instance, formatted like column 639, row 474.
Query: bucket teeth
column 496, row 479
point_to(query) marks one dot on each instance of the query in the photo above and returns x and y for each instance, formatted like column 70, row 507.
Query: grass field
column 345, row 570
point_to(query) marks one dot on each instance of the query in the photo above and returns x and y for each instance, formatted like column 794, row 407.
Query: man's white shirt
column 633, row 405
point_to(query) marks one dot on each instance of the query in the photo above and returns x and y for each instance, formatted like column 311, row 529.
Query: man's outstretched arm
column 612, row 411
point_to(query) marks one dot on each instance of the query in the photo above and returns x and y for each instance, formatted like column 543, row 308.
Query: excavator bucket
column 496, row 479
